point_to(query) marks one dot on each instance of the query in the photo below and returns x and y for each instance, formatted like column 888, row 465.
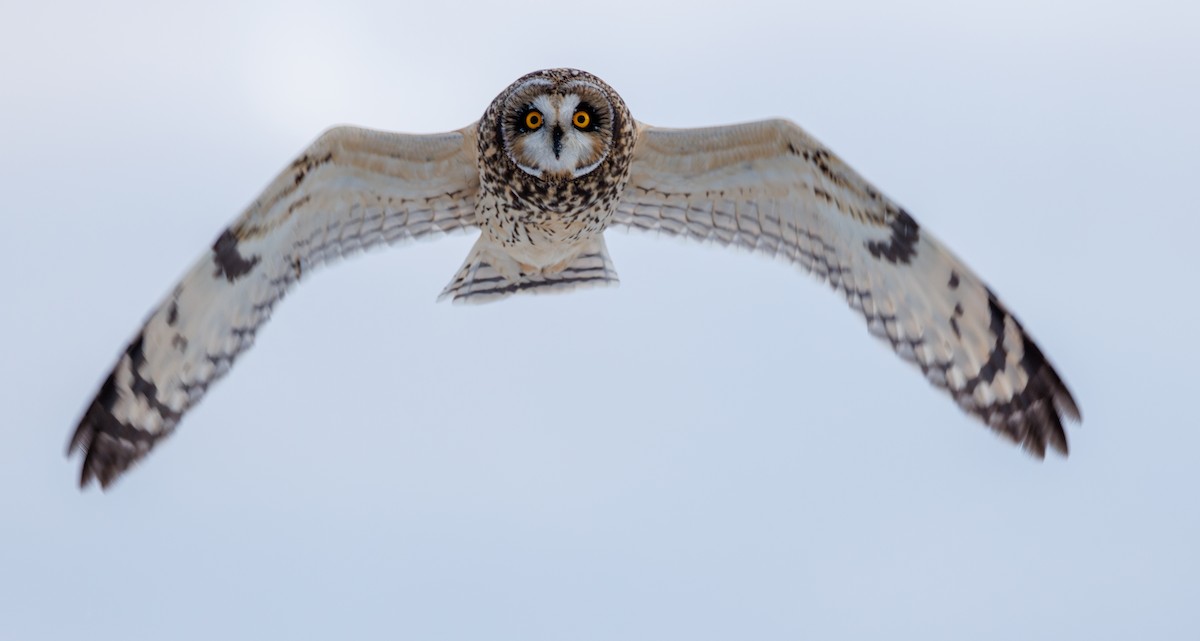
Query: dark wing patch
column 229, row 261
column 902, row 246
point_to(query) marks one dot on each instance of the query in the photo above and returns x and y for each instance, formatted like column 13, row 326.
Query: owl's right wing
column 770, row 187
column 351, row 189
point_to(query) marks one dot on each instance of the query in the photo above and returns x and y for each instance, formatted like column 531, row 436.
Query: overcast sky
column 714, row 450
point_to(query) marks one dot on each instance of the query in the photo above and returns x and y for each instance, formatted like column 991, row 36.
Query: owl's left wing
column 770, row 187
column 350, row 189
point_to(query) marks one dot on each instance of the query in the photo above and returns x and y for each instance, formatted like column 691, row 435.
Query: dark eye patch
column 519, row 119
column 592, row 118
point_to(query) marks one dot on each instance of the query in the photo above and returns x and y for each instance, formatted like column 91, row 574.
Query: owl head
column 558, row 125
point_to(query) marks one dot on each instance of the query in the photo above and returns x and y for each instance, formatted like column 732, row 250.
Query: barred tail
column 491, row 274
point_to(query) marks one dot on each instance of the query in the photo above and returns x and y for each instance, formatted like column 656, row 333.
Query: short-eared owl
column 555, row 161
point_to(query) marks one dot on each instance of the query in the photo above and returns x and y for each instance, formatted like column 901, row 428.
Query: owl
column 554, row 162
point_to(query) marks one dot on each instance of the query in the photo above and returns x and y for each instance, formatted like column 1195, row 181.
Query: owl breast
column 538, row 237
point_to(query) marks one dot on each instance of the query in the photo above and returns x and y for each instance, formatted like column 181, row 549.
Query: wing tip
column 106, row 456
column 109, row 446
column 1033, row 416
column 1036, row 433
column 1034, row 419
column 1058, row 401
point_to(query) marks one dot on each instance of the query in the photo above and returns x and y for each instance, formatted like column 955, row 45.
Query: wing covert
column 770, row 187
column 351, row 189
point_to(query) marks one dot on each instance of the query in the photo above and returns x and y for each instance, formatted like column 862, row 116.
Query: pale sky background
column 716, row 449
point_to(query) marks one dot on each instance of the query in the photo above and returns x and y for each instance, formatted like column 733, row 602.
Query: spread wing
column 770, row 187
column 351, row 189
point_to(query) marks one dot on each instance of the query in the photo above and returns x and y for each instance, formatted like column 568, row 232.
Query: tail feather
column 490, row 274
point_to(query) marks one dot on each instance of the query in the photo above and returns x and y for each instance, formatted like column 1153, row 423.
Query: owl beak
column 557, row 135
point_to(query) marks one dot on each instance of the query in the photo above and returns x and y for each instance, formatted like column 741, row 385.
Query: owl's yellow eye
column 533, row 120
column 582, row 119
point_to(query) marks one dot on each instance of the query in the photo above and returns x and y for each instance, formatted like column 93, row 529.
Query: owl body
column 556, row 160
column 553, row 154
column 538, row 240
